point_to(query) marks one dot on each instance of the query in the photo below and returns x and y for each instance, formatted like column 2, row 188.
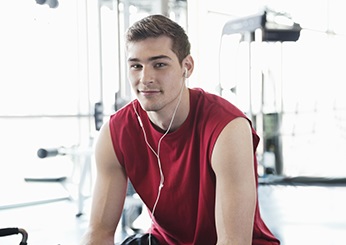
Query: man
column 190, row 155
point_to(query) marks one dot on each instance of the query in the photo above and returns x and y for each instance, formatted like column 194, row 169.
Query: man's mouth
column 149, row 92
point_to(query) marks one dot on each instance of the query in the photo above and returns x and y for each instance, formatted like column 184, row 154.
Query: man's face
column 155, row 73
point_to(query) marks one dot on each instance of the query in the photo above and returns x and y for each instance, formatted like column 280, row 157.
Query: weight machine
column 267, row 26
column 81, row 158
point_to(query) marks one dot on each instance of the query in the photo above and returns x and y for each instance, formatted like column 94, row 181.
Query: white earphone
column 157, row 152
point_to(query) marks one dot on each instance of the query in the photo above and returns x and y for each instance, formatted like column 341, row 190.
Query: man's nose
column 147, row 75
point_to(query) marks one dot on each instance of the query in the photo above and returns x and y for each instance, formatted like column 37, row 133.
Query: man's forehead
column 161, row 41
column 150, row 49
column 151, row 58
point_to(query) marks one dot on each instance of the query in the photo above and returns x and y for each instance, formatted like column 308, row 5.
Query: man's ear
column 188, row 64
column 186, row 74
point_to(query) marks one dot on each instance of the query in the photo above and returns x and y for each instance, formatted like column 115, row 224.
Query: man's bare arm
column 109, row 193
column 233, row 164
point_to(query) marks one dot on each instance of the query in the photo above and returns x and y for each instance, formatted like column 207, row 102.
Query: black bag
column 140, row 239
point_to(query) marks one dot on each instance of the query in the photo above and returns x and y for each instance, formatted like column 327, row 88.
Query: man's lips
column 149, row 92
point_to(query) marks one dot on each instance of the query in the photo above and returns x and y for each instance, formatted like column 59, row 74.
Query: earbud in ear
column 185, row 73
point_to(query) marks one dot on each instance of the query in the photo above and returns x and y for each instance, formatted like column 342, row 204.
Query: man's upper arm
column 233, row 164
column 110, row 187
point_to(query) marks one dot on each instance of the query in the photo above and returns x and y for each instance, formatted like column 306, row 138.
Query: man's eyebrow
column 159, row 57
column 151, row 58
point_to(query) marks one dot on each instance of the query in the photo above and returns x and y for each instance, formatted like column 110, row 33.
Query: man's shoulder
column 214, row 102
column 123, row 116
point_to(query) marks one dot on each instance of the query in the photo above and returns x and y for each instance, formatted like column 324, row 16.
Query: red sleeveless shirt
column 185, row 212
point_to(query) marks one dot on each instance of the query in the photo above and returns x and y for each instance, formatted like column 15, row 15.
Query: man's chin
column 148, row 108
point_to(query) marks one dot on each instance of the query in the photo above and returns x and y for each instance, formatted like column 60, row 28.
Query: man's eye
column 160, row 65
column 135, row 66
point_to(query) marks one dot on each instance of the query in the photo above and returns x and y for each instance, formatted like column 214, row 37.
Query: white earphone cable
column 157, row 154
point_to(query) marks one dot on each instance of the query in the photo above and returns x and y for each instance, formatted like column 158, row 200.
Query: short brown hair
column 159, row 25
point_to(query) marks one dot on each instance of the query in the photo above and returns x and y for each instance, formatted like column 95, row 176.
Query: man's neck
column 162, row 120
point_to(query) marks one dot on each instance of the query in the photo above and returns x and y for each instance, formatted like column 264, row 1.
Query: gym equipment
column 15, row 231
column 79, row 156
column 271, row 27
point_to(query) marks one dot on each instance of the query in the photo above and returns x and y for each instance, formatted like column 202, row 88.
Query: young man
column 190, row 155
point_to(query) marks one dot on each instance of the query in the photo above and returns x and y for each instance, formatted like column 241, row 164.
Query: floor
column 297, row 214
column 305, row 214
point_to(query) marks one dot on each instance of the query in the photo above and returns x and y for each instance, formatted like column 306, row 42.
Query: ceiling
column 146, row 5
